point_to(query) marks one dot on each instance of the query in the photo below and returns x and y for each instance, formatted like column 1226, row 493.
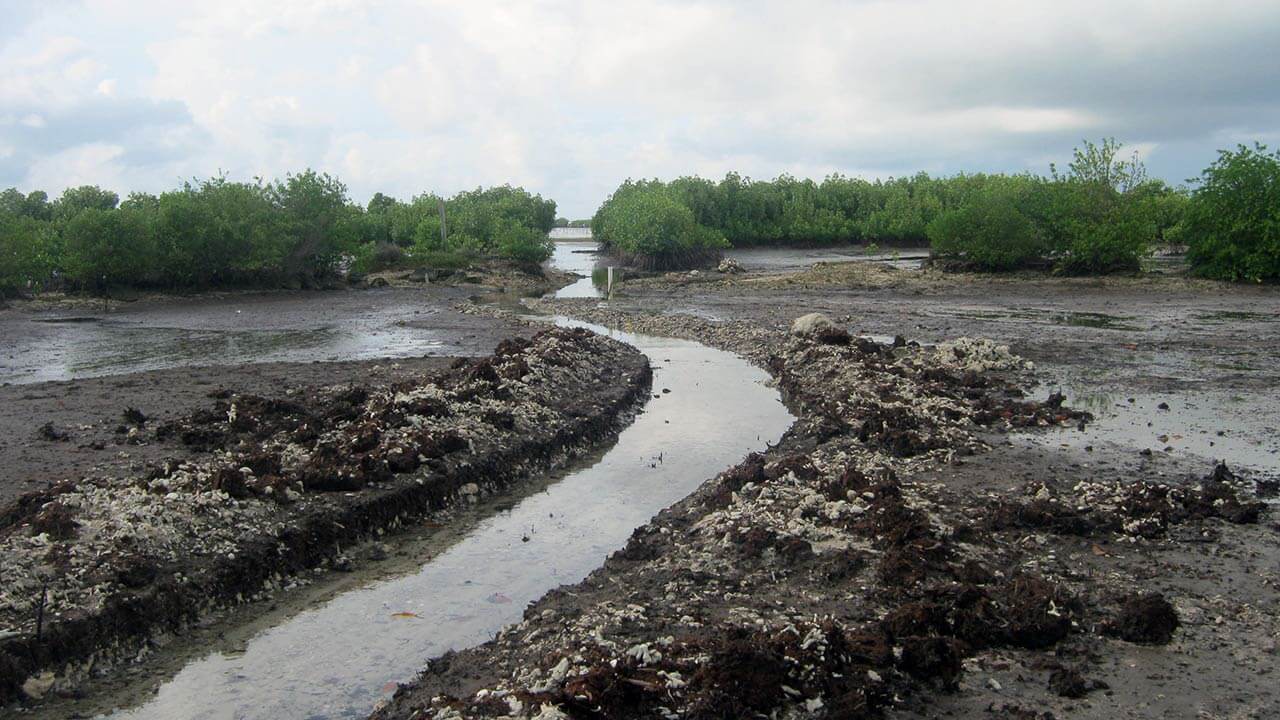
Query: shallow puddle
column 336, row 660
column 1215, row 425
column 785, row 259
column 1096, row 320
column 232, row 332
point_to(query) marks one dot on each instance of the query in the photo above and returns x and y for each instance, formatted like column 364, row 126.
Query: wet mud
column 908, row 550
column 953, row 527
column 96, row 567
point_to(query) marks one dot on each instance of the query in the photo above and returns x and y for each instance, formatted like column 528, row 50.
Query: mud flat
column 910, row 549
column 97, row 568
column 1177, row 366
column 163, row 356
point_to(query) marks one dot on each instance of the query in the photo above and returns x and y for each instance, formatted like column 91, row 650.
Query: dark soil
column 268, row 468
column 79, row 426
column 923, row 564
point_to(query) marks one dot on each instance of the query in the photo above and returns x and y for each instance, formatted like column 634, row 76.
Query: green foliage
column 445, row 259
column 1112, row 238
column 1098, row 164
column 1103, row 215
column 34, row 205
column 318, row 221
column 27, row 248
column 86, row 197
column 1232, row 223
column 522, row 244
column 482, row 214
column 789, row 211
column 216, row 232
column 989, row 233
column 647, row 224
column 498, row 221
column 1165, row 206
column 105, row 248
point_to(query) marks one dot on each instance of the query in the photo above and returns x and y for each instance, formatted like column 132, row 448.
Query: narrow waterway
column 580, row 255
column 337, row 659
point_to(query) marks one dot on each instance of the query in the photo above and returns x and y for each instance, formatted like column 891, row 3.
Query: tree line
column 1101, row 214
column 216, row 232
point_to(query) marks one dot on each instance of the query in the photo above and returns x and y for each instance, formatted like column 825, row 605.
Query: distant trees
column 216, row 232
column 990, row 231
column 1232, row 223
column 103, row 248
column 1102, row 215
column 34, row 205
column 85, row 197
column 646, row 224
column 27, row 251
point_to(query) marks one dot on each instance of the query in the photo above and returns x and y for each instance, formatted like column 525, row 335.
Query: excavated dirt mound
column 824, row 578
column 97, row 566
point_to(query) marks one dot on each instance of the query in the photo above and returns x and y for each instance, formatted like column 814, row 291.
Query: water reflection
column 337, row 659
column 581, row 257
column 1205, row 423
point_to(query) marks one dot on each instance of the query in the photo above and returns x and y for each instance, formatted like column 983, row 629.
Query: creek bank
column 495, row 274
column 101, row 442
column 894, row 555
column 96, row 570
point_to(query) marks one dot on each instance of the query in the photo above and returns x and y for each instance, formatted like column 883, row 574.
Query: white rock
column 550, row 712
column 809, row 324
column 37, row 686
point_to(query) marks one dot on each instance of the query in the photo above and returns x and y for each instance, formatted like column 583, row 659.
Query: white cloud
column 92, row 164
column 570, row 96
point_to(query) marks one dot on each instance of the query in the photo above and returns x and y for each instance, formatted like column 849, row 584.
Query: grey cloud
column 137, row 125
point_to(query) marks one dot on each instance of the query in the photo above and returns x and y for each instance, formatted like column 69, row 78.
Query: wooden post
column 610, row 285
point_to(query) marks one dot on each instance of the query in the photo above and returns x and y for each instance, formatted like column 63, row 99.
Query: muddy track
column 81, row 593
column 891, row 557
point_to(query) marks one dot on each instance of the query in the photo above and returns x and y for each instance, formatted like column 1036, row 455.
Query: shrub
column 387, row 255
column 1105, row 232
column 990, row 233
column 1232, row 224
column 445, row 259
column 26, row 253
column 650, row 228
column 522, row 244
column 106, row 248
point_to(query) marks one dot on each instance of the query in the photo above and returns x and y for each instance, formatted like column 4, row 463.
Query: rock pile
column 729, row 266
column 287, row 480
column 808, row 581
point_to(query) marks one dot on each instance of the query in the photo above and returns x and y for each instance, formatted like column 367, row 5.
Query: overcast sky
column 570, row 98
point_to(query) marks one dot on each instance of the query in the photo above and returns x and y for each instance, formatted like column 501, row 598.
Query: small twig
column 44, row 598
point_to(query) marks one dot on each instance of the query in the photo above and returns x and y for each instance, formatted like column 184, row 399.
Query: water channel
column 337, row 659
